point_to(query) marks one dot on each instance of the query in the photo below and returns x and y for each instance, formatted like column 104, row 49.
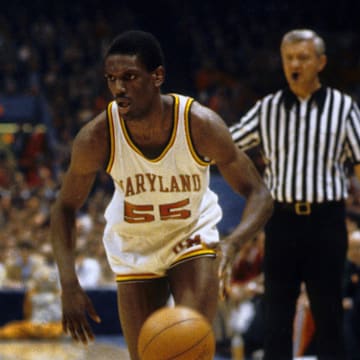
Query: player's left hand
column 227, row 256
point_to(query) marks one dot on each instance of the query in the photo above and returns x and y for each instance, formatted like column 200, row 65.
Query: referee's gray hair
column 297, row 35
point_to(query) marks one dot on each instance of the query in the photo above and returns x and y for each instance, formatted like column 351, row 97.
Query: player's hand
column 227, row 256
column 76, row 306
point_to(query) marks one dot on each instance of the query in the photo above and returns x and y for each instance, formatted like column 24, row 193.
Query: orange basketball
column 177, row 333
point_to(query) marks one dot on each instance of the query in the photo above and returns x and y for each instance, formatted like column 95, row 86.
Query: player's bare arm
column 89, row 154
column 213, row 140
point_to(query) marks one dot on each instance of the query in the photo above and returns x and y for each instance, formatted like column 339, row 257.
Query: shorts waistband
column 304, row 208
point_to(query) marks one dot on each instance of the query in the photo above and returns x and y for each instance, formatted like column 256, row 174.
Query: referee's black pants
column 311, row 249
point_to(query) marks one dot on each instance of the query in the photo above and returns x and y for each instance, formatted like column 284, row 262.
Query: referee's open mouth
column 295, row 75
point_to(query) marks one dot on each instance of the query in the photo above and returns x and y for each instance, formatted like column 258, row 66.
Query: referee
column 307, row 132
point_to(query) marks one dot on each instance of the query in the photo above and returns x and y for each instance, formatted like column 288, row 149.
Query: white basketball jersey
column 161, row 208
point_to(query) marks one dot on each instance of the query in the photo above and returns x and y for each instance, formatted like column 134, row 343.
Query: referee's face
column 302, row 65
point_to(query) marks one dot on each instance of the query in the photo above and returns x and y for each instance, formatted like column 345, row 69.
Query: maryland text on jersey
column 141, row 183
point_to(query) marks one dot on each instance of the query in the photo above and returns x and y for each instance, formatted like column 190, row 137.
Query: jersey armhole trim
column 112, row 138
column 193, row 152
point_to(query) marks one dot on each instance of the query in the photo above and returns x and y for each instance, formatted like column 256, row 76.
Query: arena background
column 224, row 53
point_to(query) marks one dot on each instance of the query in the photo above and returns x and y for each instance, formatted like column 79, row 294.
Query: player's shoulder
column 93, row 132
column 91, row 145
column 197, row 110
column 203, row 112
column 95, row 126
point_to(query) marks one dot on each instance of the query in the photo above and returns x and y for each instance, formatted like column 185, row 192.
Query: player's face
column 132, row 86
column 302, row 65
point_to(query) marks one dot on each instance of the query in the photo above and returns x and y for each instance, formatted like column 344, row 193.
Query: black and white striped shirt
column 305, row 143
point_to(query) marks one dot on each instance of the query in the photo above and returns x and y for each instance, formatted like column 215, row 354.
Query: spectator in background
column 246, row 295
column 5, row 207
column 351, row 299
column 304, row 327
column 23, row 264
column 42, row 309
column 88, row 269
column 35, row 153
column 3, row 270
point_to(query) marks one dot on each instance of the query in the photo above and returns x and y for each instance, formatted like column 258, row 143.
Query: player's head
column 134, row 71
column 298, row 35
column 140, row 43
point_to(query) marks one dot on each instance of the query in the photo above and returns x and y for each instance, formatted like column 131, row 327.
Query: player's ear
column 159, row 76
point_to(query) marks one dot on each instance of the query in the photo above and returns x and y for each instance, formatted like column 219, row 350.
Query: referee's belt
column 305, row 208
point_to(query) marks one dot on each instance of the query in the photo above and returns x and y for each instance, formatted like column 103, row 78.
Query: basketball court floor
column 105, row 347
column 60, row 350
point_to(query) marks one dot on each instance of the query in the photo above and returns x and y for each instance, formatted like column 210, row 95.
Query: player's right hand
column 76, row 306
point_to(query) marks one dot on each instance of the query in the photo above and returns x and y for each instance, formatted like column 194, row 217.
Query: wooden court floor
column 59, row 350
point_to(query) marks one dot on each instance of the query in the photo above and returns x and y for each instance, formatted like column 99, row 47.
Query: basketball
column 178, row 333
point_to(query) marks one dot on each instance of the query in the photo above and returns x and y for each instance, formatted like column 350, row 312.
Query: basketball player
column 160, row 237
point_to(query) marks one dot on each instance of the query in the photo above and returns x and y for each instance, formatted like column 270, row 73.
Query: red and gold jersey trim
column 194, row 254
column 188, row 135
column 112, row 138
column 149, row 276
column 137, row 277
column 168, row 146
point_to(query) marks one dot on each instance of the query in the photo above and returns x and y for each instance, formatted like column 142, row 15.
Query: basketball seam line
column 168, row 327
column 194, row 345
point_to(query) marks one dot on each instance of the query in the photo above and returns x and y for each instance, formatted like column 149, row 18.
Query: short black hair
column 140, row 43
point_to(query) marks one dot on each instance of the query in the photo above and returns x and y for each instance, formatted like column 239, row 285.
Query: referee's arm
column 245, row 132
column 353, row 131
